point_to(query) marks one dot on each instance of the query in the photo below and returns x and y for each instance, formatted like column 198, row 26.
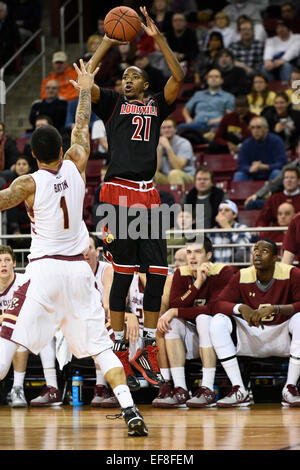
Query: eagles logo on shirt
column 13, row 303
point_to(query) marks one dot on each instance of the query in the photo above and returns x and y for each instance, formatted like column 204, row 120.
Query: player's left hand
column 85, row 78
column 132, row 328
column 150, row 27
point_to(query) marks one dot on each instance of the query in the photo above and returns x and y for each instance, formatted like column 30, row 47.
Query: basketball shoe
column 17, row 398
column 145, row 361
column 104, row 398
column 290, row 396
column 203, row 397
column 50, row 396
column 164, row 394
column 135, row 422
column 122, row 352
column 237, row 396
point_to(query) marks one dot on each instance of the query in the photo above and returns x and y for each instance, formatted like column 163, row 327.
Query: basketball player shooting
column 59, row 286
column 133, row 128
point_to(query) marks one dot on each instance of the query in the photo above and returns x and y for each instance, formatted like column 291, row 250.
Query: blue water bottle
column 77, row 382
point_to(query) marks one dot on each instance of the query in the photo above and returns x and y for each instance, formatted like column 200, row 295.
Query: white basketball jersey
column 102, row 265
column 7, row 295
column 135, row 299
column 57, row 227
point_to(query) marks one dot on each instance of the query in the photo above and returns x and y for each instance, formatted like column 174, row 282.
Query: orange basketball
column 122, row 23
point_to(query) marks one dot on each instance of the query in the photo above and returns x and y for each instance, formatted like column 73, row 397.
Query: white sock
column 149, row 332
column 166, row 373
column 123, row 395
column 293, row 371
column 232, row 370
column 50, row 377
column 208, row 377
column 100, row 380
column 119, row 335
column 178, row 376
column 19, row 379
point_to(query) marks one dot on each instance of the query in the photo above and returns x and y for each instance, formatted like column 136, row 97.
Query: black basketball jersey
column 133, row 130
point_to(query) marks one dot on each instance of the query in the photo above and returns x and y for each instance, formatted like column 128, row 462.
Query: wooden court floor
column 262, row 427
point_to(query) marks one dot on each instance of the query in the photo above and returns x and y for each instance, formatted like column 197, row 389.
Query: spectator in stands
column 156, row 78
column 93, row 41
column 52, row 105
column 260, row 95
column 184, row 220
column 262, row 156
column 294, row 91
column 9, row 35
column 205, row 109
column 221, row 25
column 248, row 51
column 162, row 15
column 235, row 80
column 283, row 120
column 233, row 129
column 17, row 217
column 238, row 8
column 98, row 137
column 207, row 194
column 260, row 33
column 256, row 201
column 62, row 72
column 279, row 52
column 175, row 157
column 100, row 26
column 158, row 61
column 27, row 15
column 226, row 219
column 285, row 213
column 205, row 58
column 8, row 155
column 290, row 193
column 182, row 39
column 180, row 257
column 289, row 14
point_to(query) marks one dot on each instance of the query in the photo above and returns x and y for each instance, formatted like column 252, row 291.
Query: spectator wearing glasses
column 262, row 156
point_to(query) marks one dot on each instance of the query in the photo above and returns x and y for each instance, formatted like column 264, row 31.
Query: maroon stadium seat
column 240, row 190
column 222, row 165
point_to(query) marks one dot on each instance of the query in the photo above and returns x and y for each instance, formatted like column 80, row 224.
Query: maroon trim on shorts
column 14, row 308
column 61, row 258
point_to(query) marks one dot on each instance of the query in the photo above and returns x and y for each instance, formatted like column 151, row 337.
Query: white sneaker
column 290, row 396
column 17, row 398
column 237, row 396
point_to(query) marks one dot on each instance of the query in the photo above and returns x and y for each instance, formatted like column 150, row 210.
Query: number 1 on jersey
column 64, row 208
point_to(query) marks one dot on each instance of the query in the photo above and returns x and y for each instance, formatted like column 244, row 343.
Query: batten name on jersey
column 135, row 109
column 60, row 186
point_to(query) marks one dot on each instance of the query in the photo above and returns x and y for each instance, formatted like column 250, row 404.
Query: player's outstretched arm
column 174, row 83
column 21, row 189
column 80, row 138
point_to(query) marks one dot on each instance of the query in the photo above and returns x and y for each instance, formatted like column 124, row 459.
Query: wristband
column 277, row 310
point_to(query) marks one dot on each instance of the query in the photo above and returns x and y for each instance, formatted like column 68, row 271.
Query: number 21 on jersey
column 142, row 132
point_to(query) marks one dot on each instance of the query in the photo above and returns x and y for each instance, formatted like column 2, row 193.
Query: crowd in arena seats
column 240, row 59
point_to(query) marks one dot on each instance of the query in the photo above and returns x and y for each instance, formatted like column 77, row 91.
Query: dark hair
column 95, row 239
column 207, row 244
column 264, row 93
column 45, row 117
column 295, row 169
column 204, row 169
column 282, row 94
column 46, row 143
column 241, row 100
column 271, row 242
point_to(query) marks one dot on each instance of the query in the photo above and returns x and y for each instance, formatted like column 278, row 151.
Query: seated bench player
column 260, row 308
column 186, row 326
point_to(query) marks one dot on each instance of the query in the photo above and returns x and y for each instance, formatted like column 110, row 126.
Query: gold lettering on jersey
column 186, row 295
column 135, row 109
column 267, row 317
column 60, row 186
column 251, row 294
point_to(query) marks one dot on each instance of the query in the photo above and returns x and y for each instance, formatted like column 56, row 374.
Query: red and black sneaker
column 145, row 361
column 132, row 381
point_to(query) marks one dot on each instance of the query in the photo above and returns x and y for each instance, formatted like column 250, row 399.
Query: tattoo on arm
column 20, row 189
column 80, row 133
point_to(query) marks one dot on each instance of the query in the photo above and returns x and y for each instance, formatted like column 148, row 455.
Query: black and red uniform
column 133, row 131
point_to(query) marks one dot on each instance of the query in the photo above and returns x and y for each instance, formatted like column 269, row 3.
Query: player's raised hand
column 85, row 77
column 113, row 42
column 150, row 27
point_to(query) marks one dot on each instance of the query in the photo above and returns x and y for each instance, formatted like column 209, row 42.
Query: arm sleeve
column 228, row 297
column 289, row 242
column 180, row 296
column 279, row 155
column 295, row 281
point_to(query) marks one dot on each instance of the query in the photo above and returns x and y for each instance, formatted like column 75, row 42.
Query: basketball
column 122, row 23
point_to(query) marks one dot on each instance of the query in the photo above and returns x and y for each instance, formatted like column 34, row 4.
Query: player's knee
column 153, row 292
column 177, row 329
column 3, row 370
column 119, row 291
column 203, row 329
column 219, row 325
